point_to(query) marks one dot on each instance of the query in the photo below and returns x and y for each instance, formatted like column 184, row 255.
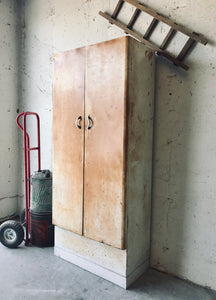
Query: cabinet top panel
column 127, row 38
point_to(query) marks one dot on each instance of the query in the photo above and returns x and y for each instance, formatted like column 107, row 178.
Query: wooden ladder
column 161, row 49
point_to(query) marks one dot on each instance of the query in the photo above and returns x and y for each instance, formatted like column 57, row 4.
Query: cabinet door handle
column 78, row 122
column 90, row 122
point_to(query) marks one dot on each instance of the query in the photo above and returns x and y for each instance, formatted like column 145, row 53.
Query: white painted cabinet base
column 102, row 260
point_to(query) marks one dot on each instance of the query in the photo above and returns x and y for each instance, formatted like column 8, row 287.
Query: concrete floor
column 35, row 273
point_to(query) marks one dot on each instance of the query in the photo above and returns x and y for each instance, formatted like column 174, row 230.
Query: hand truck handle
column 18, row 121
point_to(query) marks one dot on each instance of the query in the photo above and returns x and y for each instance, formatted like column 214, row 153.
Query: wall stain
column 149, row 54
column 168, row 211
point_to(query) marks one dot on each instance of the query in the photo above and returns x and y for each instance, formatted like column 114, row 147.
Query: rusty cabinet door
column 105, row 98
column 68, row 106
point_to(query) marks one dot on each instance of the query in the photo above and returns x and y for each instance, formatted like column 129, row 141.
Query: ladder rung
column 185, row 49
column 150, row 29
column 133, row 18
column 118, row 8
column 168, row 38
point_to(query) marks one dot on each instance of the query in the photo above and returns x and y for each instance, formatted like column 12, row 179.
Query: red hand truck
column 12, row 232
column 27, row 163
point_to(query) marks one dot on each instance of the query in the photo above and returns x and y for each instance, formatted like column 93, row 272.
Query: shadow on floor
column 164, row 286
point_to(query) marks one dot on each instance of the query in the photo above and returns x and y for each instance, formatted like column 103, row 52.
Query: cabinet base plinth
column 93, row 267
column 102, row 260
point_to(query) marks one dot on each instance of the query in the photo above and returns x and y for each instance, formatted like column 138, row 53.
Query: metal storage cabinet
column 102, row 145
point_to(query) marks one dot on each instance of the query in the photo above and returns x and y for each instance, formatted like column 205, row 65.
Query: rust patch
column 149, row 54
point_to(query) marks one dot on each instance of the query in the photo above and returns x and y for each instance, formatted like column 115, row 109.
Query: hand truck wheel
column 11, row 234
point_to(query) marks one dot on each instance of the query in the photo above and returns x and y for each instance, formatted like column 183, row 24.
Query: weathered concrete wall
column 184, row 206
column 36, row 78
column 9, row 104
column 184, row 224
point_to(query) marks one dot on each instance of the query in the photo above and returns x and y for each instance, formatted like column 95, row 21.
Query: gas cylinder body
column 41, row 191
column 42, row 230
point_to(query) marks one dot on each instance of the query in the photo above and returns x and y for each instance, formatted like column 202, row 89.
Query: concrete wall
column 184, row 224
column 35, row 86
column 184, row 206
column 9, row 105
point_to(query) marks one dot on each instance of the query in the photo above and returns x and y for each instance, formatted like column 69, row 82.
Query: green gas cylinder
column 41, row 191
